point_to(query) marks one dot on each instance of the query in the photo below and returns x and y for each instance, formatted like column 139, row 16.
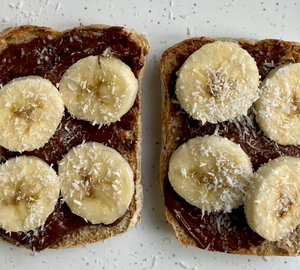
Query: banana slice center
column 211, row 175
column 220, row 84
column 20, row 194
column 285, row 205
column 88, row 184
column 100, row 90
column 25, row 111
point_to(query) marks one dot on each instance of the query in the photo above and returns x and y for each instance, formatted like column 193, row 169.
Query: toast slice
column 218, row 231
column 32, row 50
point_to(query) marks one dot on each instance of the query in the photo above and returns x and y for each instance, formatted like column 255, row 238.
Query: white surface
column 152, row 244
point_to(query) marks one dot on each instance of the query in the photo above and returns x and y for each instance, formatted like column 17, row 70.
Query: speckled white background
column 152, row 244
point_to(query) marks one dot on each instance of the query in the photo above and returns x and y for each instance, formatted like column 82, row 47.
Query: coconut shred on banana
column 96, row 182
column 278, row 108
column 29, row 190
column 211, row 173
column 31, row 109
column 98, row 89
column 218, row 82
column 272, row 205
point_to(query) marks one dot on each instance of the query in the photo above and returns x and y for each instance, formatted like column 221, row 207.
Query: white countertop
column 152, row 244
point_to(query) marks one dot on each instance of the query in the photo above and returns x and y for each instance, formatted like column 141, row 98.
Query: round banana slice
column 31, row 108
column 99, row 89
column 96, row 182
column 272, row 205
column 211, row 173
column 218, row 82
column 278, row 108
column 29, row 190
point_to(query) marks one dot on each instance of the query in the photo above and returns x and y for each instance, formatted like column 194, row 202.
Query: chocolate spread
column 50, row 58
column 220, row 231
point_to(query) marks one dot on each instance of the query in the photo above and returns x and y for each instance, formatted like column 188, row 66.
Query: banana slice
column 96, row 182
column 29, row 190
column 31, row 108
column 99, row 89
column 278, row 108
column 211, row 173
column 272, row 205
column 218, row 82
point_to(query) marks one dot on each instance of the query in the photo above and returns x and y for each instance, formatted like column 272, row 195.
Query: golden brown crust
column 170, row 63
column 94, row 233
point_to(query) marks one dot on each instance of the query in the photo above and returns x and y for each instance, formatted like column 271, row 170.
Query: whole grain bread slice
column 178, row 127
column 23, row 35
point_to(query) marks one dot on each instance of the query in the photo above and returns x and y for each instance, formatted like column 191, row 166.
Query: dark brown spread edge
column 218, row 231
column 49, row 58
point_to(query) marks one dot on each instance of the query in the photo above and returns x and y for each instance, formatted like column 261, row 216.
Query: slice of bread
column 217, row 231
column 48, row 53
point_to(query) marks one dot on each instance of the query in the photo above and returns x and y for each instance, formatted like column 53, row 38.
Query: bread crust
column 171, row 61
column 94, row 233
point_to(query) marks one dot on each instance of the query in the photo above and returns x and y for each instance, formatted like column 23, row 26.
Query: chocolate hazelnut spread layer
column 50, row 57
column 219, row 231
